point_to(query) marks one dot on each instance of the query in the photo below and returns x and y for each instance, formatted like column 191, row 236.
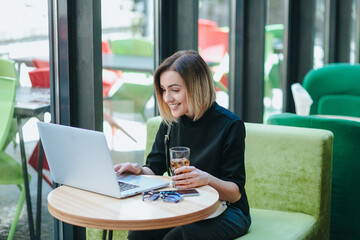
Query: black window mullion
column 76, row 65
column 298, row 47
column 340, row 19
column 247, row 59
column 178, row 26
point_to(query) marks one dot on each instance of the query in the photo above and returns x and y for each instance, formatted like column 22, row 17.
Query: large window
column 24, row 56
column 128, row 67
column 213, row 43
column 321, row 41
column 355, row 32
column 273, row 57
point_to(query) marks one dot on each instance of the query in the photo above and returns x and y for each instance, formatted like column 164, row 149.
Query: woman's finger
column 184, row 169
column 125, row 167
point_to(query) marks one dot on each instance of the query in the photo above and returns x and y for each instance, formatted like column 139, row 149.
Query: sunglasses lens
column 173, row 197
column 150, row 196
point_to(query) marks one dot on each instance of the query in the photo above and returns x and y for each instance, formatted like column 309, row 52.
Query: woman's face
column 174, row 93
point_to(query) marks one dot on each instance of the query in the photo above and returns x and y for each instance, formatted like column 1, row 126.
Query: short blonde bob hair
column 200, row 91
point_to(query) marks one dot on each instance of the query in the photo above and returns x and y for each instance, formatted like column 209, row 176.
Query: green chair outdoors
column 7, row 69
column 273, row 40
column 334, row 89
column 132, row 46
column 345, row 191
column 132, row 98
column 10, row 170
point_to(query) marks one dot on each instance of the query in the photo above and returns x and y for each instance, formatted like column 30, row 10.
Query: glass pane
column 354, row 32
column 213, row 43
column 320, row 40
column 274, row 49
column 128, row 67
column 24, row 62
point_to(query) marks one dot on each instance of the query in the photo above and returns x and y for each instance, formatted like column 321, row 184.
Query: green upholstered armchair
column 288, row 180
column 345, row 193
column 334, row 89
column 288, row 174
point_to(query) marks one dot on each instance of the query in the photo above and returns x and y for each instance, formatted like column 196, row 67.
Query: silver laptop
column 81, row 158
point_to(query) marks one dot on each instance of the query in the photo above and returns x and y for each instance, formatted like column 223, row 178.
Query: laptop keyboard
column 126, row 186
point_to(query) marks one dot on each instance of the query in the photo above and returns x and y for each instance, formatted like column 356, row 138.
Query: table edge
column 132, row 225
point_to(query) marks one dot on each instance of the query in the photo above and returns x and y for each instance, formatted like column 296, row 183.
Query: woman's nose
column 166, row 96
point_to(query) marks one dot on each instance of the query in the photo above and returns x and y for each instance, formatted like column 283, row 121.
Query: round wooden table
column 87, row 209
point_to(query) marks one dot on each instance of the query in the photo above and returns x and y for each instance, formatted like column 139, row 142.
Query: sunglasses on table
column 167, row 196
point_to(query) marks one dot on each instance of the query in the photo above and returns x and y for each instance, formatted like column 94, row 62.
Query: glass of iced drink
column 179, row 156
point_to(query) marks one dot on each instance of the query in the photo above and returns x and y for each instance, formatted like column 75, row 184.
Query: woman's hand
column 190, row 177
column 127, row 167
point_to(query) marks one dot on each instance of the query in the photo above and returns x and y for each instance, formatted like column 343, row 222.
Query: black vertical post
column 340, row 18
column 75, row 68
column 247, row 43
column 179, row 26
column 299, row 46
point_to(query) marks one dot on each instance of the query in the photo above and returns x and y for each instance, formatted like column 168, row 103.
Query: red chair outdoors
column 207, row 23
column 40, row 77
column 213, row 42
column 109, row 76
column 213, row 47
column 108, row 79
column 40, row 63
column 105, row 47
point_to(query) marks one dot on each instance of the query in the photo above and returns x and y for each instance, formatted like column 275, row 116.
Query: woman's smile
column 174, row 93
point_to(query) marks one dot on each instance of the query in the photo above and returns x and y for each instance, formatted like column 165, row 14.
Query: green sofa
column 288, row 180
column 345, row 192
column 334, row 89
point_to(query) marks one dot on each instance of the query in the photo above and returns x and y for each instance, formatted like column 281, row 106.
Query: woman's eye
column 175, row 90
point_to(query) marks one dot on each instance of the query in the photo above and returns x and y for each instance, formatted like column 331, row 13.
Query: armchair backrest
column 334, row 89
column 345, row 192
column 288, row 169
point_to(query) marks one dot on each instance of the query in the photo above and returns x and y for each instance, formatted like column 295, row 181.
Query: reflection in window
column 23, row 44
column 355, row 32
column 213, row 43
column 127, row 47
column 273, row 57
column 320, row 40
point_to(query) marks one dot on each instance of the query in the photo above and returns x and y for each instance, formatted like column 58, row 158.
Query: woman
column 186, row 97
